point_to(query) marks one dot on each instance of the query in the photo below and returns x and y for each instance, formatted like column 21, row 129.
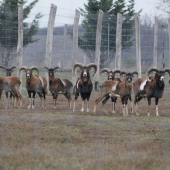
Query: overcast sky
column 67, row 7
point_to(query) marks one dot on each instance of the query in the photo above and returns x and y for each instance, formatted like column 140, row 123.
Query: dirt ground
column 62, row 139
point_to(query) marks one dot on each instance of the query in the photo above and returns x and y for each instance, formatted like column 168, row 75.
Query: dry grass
column 60, row 139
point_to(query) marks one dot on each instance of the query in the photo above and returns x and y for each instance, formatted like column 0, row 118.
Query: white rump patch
column 78, row 83
column 114, row 87
column 63, row 82
column 143, row 85
column 41, row 81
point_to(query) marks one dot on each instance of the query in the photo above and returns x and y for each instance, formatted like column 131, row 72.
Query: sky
column 67, row 8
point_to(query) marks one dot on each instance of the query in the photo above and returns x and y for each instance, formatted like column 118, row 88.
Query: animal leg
column 137, row 99
column 126, row 107
column 83, row 103
column 149, row 105
column 98, row 100
column 104, row 103
column 75, row 100
column 131, row 104
column 88, row 97
column 44, row 100
column 7, row 102
column 55, row 95
column 30, row 100
column 41, row 97
column 156, row 103
column 68, row 96
column 123, row 103
column 113, row 104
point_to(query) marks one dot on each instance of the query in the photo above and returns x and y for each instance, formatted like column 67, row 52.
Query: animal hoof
column 88, row 111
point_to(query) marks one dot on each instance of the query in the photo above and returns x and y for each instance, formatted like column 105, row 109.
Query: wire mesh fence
column 63, row 119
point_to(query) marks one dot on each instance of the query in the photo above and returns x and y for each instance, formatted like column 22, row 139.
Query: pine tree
column 87, row 40
column 9, row 27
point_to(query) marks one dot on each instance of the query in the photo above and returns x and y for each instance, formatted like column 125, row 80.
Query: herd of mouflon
column 113, row 87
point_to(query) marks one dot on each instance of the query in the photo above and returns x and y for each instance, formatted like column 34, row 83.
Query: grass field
column 62, row 139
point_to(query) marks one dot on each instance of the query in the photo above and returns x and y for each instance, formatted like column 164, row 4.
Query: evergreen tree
column 87, row 40
column 9, row 27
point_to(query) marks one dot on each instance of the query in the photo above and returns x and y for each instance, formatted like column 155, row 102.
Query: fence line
column 98, row 46
column 138, row 46
column 20, row 41
column 155, row 42
column 118, row 41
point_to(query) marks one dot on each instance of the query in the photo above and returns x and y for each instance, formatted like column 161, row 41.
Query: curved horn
column 12, row 69
column 168, row 71
column 34, row 68
column 94, row 66
column 105, row 70
column 116, row 71
column 134, row 72
column 24, row 68
column 46, row 68
column 150, row 70
column 3, row 67
column 55, row 68
column 77, row 65
column 123, row 72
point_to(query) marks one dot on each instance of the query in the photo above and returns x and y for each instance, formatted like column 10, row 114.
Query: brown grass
column 60, row 139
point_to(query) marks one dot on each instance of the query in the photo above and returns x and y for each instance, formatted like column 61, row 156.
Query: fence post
column 75, row 42
column 138, row 45
column 169, row 42
column 118, row 41
column 64, row 51
column 20, row 42
column 97, row 50
column 155, row 43
column 49, row 40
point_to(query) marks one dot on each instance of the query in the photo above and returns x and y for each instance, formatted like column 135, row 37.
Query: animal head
column 8, row 70
column 110, row 73
column 159, row 75
column 85, row 75
column 28, row 71
column 51, row 71
column 129, row 75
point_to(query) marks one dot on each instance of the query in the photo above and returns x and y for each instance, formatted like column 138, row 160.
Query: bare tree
column 164, row 7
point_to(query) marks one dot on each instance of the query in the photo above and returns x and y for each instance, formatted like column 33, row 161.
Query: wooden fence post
column 75, row 43
column 169, row 42
column 138, row 45
column 64, row 45
column 20, row 42
column 155, row 43
column 49, row 40
column 97, row 50
column 118, row 41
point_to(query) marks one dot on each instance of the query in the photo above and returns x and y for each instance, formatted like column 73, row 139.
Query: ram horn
column 134, row 72
column 168, row 71
column 3, row 67
column 34, row 68
column 94, row 66
column 23, row 68
column 105, row 70
column 46, row 68
column 150, row 70
column 55, row 69
column 123, row 72
column 77, row 65
column 12, row 69
column 116, row 71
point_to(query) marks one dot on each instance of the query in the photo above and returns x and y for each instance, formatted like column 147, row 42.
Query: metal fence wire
column 34, row 54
